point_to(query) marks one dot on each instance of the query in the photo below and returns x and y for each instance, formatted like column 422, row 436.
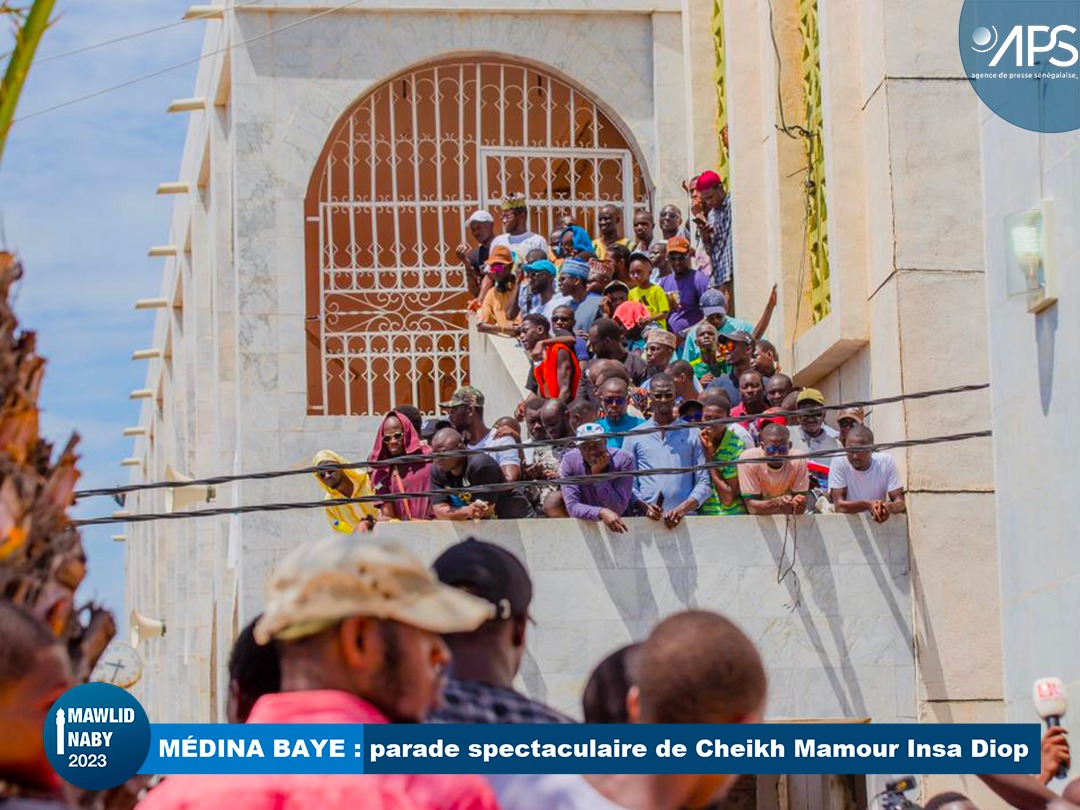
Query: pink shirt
column 369, row 791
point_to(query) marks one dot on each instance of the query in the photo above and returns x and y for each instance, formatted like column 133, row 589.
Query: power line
column 185, row 63
column 134, row 35
column 308, row 470
column 511, row 485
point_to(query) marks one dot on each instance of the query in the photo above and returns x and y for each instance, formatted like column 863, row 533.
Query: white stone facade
column 231, row 394
column 1035, row 396
column 905, row 235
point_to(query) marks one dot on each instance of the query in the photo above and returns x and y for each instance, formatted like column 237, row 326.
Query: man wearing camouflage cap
column 358, row 627
column 465, row 410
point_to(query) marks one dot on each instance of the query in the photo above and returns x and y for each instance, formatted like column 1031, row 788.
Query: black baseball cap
column 488, row 571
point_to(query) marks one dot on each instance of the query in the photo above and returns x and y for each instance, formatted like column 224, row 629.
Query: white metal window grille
column 402, row 170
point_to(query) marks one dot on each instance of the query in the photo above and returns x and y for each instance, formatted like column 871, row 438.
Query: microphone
column 1051, row 703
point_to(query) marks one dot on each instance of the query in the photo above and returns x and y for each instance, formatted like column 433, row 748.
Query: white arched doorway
column 400, row 173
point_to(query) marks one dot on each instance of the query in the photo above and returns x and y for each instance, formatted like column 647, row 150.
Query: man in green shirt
column 723, row 446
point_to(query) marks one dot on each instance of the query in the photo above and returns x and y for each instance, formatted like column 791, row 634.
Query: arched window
column 402, row 170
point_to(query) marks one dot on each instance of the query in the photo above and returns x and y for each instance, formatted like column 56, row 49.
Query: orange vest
column 546, row 372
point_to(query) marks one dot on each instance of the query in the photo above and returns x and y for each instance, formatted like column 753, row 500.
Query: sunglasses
column 613, row 402
column 393, row 437
column 497, row 268
column 775, row 449
column 847, row 423
column 693, row 416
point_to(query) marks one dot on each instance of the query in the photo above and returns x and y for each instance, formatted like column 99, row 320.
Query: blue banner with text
column 494, row 749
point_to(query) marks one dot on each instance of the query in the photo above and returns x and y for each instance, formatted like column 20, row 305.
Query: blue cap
column 575, row 268
column 540, row 266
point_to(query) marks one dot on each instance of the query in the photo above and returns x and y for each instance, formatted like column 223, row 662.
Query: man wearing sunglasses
column 774, row 484
column 737, row 349
column 499, row 311
column 614, row 398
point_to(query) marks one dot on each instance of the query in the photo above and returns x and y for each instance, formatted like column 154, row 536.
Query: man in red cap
column 716, row 231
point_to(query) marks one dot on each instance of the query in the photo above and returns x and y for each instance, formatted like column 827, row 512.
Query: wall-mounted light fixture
column 1029, row 267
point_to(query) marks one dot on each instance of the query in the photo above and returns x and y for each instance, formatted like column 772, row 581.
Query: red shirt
column 348, row 792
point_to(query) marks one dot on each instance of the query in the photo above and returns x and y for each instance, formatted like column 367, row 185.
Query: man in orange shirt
column 777, row 484
column 499, row 312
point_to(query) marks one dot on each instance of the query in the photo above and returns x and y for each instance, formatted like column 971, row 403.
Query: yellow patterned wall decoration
column 721, row 94
column 817, row 239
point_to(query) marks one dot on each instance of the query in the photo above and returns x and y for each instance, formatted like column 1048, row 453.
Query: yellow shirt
column 600, row 249
column 655, row 300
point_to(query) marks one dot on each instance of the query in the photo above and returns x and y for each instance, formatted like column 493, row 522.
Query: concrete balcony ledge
column 499, row 367
column 844, row 652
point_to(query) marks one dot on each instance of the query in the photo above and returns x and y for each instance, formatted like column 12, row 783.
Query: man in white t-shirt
column 695, row 667
column 465, row 410
column 516, row 234
column 865, row 481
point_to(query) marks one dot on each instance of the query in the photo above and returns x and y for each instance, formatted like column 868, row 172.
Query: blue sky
column 77, row 198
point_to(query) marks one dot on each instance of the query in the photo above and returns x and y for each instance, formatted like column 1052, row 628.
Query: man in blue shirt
column 614, row 397
column 681, row 493
column 573, row 279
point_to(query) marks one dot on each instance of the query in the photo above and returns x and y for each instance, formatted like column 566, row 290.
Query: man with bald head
column 695, row 667
column 609, row 223
column 774, row 484
column 777, row 389
column 950, row 801
column 671, row 222
column 474, row 472
column 751, row 396
column 615, row 399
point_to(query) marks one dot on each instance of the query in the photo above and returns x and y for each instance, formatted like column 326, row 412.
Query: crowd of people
column 365, row 633
column 637, row 363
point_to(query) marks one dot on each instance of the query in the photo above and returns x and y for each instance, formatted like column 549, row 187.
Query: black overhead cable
column 307, row 470
column 510, row 485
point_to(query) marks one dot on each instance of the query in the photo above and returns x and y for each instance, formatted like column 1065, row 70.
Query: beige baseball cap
column 322, row 582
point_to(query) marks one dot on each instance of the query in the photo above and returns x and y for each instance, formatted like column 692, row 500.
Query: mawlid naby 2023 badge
column 97, row 736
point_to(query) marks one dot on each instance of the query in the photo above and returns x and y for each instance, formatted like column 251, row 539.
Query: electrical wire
column 512, row 485
column 185, row 63
column 134, row 35
column 308, row 470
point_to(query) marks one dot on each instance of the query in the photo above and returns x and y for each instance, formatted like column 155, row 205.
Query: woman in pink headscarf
column 397, row 437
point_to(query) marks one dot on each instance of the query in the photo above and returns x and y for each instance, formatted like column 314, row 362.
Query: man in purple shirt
column 686, row 284
column 605, row 500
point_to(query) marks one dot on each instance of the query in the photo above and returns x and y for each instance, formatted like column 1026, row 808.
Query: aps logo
column 1038, row 39
column 1022, row 58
